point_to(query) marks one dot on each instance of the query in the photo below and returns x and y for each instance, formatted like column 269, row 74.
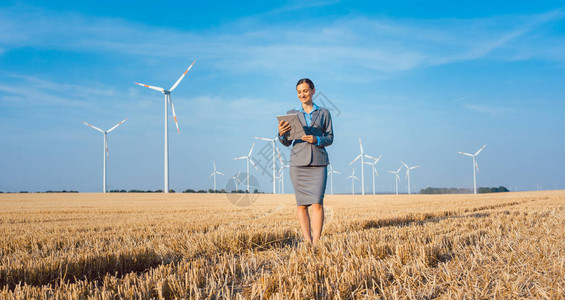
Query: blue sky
column 417, row 81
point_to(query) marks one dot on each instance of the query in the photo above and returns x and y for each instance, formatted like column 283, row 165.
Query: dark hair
column 305, row 80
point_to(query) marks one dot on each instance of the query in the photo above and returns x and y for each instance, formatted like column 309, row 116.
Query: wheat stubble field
column 508, row 245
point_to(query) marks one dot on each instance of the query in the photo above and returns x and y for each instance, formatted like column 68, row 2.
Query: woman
column 309, row 159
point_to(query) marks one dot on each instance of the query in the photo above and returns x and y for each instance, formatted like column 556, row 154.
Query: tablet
column 296, row 128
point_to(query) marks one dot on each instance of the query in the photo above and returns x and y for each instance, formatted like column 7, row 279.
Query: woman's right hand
column 284, row 127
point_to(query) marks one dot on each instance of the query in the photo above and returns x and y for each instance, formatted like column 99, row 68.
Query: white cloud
column 349, row 43
column 485, row 109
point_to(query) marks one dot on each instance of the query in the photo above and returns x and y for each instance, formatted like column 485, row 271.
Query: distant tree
column 500, row 189
column 158, row 191
column 201, row 191
column 189, row 191
column 172, row 191
column 23, row 192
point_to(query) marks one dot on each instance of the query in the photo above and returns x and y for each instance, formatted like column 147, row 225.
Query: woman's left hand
column 310, row 139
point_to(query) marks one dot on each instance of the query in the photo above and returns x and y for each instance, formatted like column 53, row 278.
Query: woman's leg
column 317, row 221
column 304, row 221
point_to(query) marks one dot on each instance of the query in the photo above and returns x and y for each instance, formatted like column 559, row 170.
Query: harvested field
column 107, row 246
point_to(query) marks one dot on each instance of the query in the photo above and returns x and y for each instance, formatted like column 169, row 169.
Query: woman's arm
column 327, row 137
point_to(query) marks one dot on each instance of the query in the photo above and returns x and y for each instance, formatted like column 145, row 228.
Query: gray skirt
column 309, row 184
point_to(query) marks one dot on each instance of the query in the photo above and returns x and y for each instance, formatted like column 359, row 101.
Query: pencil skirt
column 309, row 184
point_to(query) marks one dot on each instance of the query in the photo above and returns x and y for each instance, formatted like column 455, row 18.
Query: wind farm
column 234, row 207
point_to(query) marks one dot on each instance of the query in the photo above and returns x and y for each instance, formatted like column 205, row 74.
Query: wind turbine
column 281, row 171
column 376, row 160
column 214, row 174
column 105, row 149
column 274, row 176
column 331, row 171
column 248, row 157
column 408, row 174
column 475, row 166
column 353, row 178
column 362, row 163
column 236, row 179
column 167, row 101
column 397, row 178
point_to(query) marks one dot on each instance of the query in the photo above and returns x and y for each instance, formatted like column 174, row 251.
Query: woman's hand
column 310, row 139
column 284, row 127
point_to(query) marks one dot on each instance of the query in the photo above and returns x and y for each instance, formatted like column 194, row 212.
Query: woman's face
column 305, row 93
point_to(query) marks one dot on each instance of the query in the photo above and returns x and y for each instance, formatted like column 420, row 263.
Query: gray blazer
column 304, row 153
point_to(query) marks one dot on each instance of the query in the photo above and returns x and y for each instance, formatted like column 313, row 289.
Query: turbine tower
column 274, row 175
column 376, row 160
column 408, row 174
column 105, row 149
column 281, row 171
column 214, row 174
column 167, row 101
column 248, row 157
column 475, row 166
column 353, row 178
column 362, row 155
column 331, row 171
column 397, row 178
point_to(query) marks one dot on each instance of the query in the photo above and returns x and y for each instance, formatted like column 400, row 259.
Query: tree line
column 481, row 190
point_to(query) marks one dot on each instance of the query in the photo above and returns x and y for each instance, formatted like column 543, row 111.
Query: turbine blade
column 115, row 126
column 151, row 87
column 398, row 169
column 93, row 127
column 368, row 156
column 414, row 167
column 251, row 149
column 360, row 145
column 220, row 173
column 265, row 139
column 477, row 166
column 211, row 175
column 253, row 163
column 480, row 150
column 106, row 142
column 181, row 77
column 471, row 155
column 379, row 158
column 404, row 164
column 355, row 159
column 336, row 172
column 214, row 165
column 241, row 157
column 174, row 115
